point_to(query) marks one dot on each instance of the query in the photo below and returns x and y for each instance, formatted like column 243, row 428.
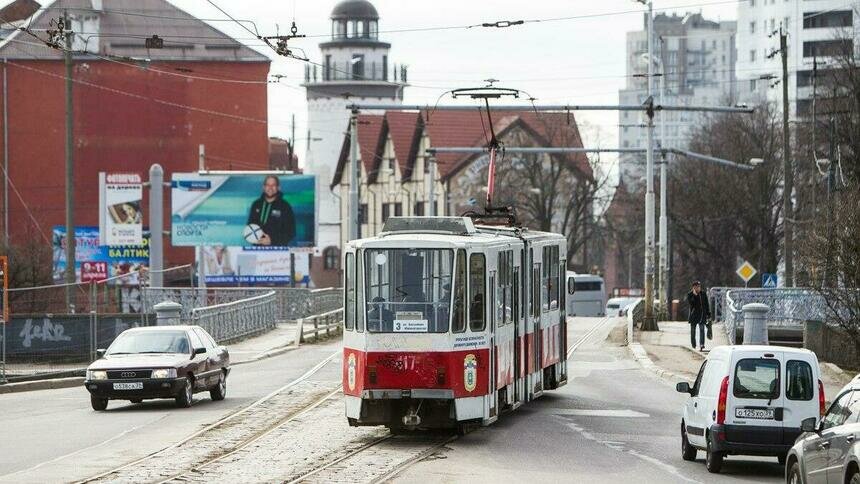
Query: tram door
column 517, row 320
column 535, row 318
column 491, row 316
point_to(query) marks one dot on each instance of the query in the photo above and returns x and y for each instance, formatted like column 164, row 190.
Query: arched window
column 331, row 258
column 374, row 29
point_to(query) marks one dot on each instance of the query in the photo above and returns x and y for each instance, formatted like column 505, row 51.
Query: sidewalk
column 668, row 354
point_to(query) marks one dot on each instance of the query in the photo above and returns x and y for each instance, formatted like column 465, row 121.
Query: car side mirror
column 100, row 353
column 808, row 425
column 199, row 351
column 683, row 387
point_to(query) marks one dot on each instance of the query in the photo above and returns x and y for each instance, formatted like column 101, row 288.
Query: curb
column 53, row 384
column 641, row 357
column 278, row 350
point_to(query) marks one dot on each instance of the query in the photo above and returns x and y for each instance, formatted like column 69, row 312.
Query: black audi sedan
column 159, row 362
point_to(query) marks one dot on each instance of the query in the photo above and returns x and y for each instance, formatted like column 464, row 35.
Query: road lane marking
column 581, row 412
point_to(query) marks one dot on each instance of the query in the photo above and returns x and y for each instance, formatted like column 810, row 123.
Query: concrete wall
column 831, row 344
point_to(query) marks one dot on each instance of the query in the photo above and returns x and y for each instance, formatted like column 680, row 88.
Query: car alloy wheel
column 794, row 474
column 186, row 398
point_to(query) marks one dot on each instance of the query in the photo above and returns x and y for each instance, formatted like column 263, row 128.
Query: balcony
column 357, row 70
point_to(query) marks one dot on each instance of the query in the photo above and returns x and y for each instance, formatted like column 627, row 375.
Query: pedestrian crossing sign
column 746, row 271
column 768, row 279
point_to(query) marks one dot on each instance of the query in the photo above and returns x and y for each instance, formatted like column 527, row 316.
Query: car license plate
column 137, row 385
column 756, row 413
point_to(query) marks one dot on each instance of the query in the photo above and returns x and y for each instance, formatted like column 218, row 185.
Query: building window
column 327, row 68
column 418, row 209
column 752, row 27
column 752, row 84
column 331, row 258
column 386, row 211
column 358, row 66
column 362, row 213
column 398, row 209
column 359, row 29
column 384, row 67
column 837, row 18
column 822, row 48
column 374, row 29
column 752, row 55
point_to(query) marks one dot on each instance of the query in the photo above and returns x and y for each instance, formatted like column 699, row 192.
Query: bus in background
column 586, row 295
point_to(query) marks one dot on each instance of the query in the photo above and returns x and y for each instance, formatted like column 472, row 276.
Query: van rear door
column 755, row 407
column 801, row 392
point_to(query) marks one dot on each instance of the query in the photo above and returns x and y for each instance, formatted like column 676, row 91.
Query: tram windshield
column 408, row 290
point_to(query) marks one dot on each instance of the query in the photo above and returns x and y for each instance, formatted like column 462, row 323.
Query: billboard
column 120, row 208
column 96, row 262
column 253, row 265
column 243, row 210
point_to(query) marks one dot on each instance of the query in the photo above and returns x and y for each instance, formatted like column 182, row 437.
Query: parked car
column 159, row 362
column 829, row 451
column 750, row 400
column 618, row 306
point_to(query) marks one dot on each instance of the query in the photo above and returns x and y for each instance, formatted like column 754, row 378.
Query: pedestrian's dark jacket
column 700, row 311
column 275, row 218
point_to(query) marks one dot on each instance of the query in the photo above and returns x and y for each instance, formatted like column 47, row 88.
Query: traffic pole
column 788, row 170
column 156, row 226
column 70, row 146
column 650, row 323
column 355, row 176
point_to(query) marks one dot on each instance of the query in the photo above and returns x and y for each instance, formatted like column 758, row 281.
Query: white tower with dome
column 356, row 68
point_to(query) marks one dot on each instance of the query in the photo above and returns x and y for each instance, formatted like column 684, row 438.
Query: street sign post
column 769, row 280
column 746, row 272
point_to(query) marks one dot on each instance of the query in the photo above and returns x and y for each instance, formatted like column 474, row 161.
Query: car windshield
column 136, row 342
column 408, row 290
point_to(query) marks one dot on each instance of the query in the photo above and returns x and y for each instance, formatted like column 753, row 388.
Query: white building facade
column 814, row 29
column 356, row 69
column 697, row 66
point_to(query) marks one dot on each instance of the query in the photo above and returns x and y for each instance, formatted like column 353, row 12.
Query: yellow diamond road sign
column 746, row 271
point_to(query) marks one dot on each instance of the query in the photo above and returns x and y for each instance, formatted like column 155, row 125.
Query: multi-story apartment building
column 696, row 58
column 817, row 30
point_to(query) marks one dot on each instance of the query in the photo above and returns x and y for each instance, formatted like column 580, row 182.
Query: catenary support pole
column 354, row 177
column 5, row 156
column 156, row 226
column 198, row 251
column 663, row 292
column 649, row 322
column 788, row 170
column 70, row 146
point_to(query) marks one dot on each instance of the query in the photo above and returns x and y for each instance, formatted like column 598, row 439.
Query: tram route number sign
column 410, row 322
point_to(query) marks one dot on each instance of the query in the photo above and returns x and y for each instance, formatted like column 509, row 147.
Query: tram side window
column 477, row 295
column 550, row 283
column 459, row 323
column 504, row 292
column 349, row 288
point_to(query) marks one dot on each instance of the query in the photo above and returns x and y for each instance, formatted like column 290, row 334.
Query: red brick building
column 202, row 87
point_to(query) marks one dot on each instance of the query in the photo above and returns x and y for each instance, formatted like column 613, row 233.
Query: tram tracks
column 228, row 434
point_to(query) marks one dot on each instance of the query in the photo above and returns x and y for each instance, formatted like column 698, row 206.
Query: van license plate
column 137, row 385
column 756, row 413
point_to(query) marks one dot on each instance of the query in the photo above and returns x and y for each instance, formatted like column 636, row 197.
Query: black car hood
column 154, row 360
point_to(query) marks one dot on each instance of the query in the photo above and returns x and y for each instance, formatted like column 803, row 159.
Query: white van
column 617, row 306
column 750, row 400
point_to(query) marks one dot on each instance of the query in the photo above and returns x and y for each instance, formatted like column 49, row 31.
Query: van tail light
column 821, row 408
column 440, row 375
column 721, row 402
column 371, row 375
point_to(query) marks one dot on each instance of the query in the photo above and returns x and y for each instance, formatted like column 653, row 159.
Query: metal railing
column 326, row 323
column 238, row 319
column 789, row 308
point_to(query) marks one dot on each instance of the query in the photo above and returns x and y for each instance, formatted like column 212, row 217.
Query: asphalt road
column 613, row 422
column 55, row 436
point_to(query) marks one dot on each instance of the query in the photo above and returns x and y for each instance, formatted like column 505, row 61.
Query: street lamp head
column 756, row 161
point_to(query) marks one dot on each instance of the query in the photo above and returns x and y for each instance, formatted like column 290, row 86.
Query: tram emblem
column 470, row 372
column 350, row 371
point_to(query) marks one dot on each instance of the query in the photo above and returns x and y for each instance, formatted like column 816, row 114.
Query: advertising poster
column 253, row 266
column 243, row 210
column 95, row 262
column 120, row 205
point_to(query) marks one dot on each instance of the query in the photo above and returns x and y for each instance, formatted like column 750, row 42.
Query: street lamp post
column 649, row 322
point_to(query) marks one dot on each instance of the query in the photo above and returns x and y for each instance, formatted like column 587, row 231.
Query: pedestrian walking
column 700, row 314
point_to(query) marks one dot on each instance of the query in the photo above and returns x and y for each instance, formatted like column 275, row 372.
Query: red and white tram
column 448, row 324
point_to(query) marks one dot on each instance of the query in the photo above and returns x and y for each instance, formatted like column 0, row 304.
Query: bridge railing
column 789, row 308
column 238, row 319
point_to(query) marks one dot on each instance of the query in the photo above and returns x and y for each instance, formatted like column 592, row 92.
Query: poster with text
column 120, row 208
column 95, row 262
column 263, row 211
column 253, row 266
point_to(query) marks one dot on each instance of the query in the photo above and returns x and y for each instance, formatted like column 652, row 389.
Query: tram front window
column 408, row 290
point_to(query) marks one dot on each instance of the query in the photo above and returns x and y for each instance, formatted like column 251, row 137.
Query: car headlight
column 96, row 375
column 164, row 373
